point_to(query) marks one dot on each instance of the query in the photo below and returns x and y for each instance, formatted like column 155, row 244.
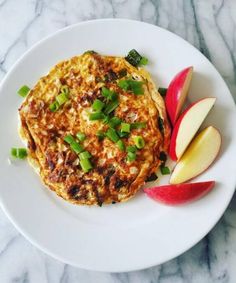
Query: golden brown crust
column 112, row 178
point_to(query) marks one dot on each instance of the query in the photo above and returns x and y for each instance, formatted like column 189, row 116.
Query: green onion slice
column 81, row 136
column 131, row 148
column 106, row 119
column 65, row 89
column 163, row 156
column 111, row 106
column 162, row 91
column 96, row 116
column 20, row 153
column 135, row 59
column 131, row 85
column 161, row 124
column 90, row 52
column 139, row 142
column 114, row 121
column 131, row 156
column 110, row 76
column 123, row 84
column 76, row 147
column 98, row 105
column 86, row 165
column 121, row 145
column 109, row 94
column 143, row 61
column 100, row 135
column 151, row 178
column 61, row 98
column 165, row 170
column 69, row 139
column 54, row 106
column 122, row 73
column 138, row 125
column 125, row 127
column 23, row 91
column 123, row 134
column 85, row 155
column 112, row 135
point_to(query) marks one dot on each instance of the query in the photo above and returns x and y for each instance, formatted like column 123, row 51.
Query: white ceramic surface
column 139, row 233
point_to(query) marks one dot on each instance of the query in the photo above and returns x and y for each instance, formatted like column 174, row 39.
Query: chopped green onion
column 23, row 91
column 54, row 106
column 65, row 89
column 125, row 127
column 69, row 139
column 131, row 156
column 111, row 106
column 162, row 91
column 106, row 92
column 163, row 156
column 81, row 136
column 114, row 121
column 160, row 124
column 96, row 116
column 143, row 61
column 123, row 84
column 123, row 134
column 85, row 155
column 86, row 165
column 20, row 153
column 90, row 52
column 131, row 148
column 133, row 57
column 135, row 86
column 139, row 142
column 165, row 170
column 61, row 98
column 76, row 147
column 110, row 76
column 121, row 145
column 138, row 125
column 106, row 119
column 112, row 135
column 113, row 96
column 100, row 135
column 122, row 73
column 109, row 94
column 13, row 151
column 151, row 178
column 98, row 105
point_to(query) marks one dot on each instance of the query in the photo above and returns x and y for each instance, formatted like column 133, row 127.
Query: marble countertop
column 208, row 25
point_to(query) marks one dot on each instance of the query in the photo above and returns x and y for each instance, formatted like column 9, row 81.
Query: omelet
column 96, row 128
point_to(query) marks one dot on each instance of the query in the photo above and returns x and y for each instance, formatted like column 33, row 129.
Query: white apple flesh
column 177, row 92
column 187, row 126
column 198, row 157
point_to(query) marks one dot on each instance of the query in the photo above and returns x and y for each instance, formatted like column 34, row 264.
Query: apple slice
column 187, row 126
column 180, row 194
column 177, row 92
column 198, row 157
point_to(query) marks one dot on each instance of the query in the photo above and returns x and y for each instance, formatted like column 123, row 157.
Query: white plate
column 141, row 232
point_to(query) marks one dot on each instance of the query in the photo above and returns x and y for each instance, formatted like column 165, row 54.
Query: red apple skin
column 175, row 130
column 181, row 193
column 174, row 98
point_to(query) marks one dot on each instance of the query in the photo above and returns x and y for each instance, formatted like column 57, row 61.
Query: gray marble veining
column 208, row 25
